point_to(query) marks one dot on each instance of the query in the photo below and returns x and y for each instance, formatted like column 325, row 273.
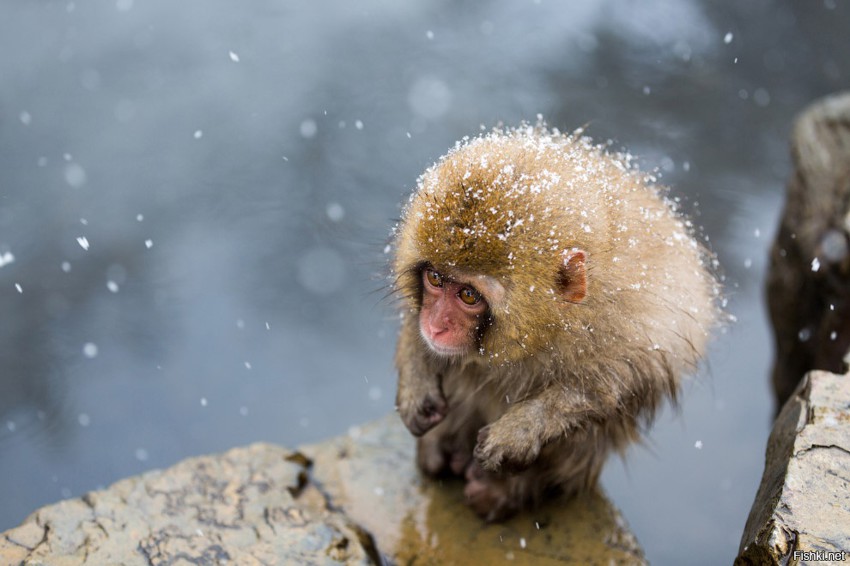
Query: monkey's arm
column 514, row 440
column 419, row 400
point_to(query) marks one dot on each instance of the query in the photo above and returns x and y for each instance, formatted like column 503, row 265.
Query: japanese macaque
column 553, row 299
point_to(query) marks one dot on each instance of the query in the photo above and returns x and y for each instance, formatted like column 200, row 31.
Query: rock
column 268, row 505
column 803, row 503
column 371, row 476
column 240, row 507
column 808, row 284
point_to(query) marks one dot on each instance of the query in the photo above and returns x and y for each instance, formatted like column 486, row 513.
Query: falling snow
column 321, row 271
column 761, row 97
column 84, row 242
column 335, row 211
column 75, row 175
column 308, row 129
column 429, row 98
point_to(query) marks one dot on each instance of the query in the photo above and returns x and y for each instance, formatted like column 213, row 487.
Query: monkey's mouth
column 445, row 350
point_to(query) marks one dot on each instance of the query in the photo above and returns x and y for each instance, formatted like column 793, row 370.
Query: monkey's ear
column 572, row 276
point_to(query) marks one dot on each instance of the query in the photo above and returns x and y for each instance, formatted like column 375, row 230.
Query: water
column 196, row 197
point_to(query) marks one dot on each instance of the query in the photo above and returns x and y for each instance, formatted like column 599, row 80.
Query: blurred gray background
column 195, row 198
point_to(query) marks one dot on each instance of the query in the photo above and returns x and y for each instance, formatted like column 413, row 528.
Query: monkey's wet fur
column 553, row 298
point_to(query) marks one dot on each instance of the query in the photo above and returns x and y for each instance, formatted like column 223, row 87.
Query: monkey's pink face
column 451, row 315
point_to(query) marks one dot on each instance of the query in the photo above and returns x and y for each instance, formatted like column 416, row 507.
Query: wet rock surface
column 358, row 499
column 371, row 476
column 803, row 503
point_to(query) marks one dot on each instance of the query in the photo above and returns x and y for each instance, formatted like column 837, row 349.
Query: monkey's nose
column 439, row 324
column 437, row 328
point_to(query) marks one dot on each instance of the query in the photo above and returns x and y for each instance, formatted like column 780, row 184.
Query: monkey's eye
column 434, row 278
column 469, row 296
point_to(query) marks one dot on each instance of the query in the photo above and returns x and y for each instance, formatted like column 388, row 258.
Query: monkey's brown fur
column 553, row 386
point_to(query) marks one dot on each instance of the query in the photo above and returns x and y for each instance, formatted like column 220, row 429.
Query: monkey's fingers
column 487, row 456
column 499, row 450
column 426, row 415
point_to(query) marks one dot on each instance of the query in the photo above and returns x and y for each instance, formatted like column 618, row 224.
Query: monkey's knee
column 438, row 455
column 459, row 460
column 430, row 456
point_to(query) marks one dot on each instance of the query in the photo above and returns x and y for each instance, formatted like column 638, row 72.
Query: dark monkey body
column 553, row 299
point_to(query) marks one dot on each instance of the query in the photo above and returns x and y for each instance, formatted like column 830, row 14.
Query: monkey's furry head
column 512, row 204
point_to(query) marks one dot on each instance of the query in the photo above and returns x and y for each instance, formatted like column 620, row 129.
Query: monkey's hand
column 511, row 443
column 421, row 406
